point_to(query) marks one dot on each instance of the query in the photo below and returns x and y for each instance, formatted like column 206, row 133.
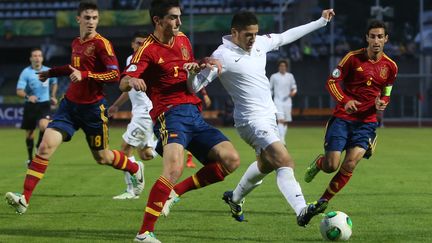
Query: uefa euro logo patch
column 336, row 73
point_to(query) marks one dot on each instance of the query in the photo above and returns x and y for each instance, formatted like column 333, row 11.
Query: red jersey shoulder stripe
column 350, row 54
column 106, row 43
column 388, row 58
column 137, row 55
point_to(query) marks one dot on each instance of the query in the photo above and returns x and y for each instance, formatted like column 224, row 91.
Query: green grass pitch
column 389, row 197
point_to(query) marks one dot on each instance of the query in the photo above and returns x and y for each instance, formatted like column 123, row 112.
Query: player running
column 157, row 68
column 93, row 64
column 139, row 132
column 361, row 84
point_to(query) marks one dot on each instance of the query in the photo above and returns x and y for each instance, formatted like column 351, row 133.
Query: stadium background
column 51, row 25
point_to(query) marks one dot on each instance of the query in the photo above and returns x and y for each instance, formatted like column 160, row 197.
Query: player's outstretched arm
column 54, row 72
column 296, row 33
column 43, row 75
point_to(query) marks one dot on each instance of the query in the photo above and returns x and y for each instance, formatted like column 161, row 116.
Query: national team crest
column 384, row 72
column 185, row 53
column 89, row 51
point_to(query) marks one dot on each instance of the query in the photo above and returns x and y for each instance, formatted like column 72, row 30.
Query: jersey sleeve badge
column 131, row 68
column 336, row 73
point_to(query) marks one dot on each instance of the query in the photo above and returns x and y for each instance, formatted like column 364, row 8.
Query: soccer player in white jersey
column 243, row 59
column 139, row 133
column 283, row 87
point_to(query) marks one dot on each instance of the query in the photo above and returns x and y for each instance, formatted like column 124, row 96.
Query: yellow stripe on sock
column 35, row 173
column 116, row 157
column 195, row 180
column 166, row 182
column 152, row 211
column 330, row 191
column 224, row 170
column 345, row 172
column 124, row 162
column 40, row 161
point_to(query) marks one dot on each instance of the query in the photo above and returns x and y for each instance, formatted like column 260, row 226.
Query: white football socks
column 290, row 188
column 251, row 179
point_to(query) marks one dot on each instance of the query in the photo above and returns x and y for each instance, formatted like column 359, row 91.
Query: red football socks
column 35, row 173
column 337, row 183
column 207, row 175
column 121, row 162
column 156, row 200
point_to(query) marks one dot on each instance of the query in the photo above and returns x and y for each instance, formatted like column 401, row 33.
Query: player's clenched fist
column 328, row 14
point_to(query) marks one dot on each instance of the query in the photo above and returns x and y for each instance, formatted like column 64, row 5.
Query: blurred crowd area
column 50, row 25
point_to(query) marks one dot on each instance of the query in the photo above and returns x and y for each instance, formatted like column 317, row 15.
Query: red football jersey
column 359, row 78
column 161, row 67
column 96, row 60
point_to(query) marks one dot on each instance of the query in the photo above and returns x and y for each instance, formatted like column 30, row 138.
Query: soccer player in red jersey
column 93, row 64
column 361, row 84
column 157, row 68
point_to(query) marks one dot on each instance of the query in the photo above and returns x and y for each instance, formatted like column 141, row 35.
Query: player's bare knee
column 330, row 165
column 232, row 161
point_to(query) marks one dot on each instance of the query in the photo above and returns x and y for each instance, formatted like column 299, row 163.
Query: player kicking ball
column 243, row 58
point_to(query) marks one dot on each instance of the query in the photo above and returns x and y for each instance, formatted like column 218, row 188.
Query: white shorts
column 284, row 112
column 259, row 133
column 139, row 132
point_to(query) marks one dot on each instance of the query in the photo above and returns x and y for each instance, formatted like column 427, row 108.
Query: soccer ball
column 335, row 226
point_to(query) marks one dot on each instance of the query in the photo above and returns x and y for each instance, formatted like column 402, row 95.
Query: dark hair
column 374, row 24
column 160, row 8
column 35, row 49
column 139, row 34
column 282, row 61
column 85, row 5
column 243, row 19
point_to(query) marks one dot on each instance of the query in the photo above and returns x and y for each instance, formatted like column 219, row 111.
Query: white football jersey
column 141, row 104
column 281, row 86
column 243, row 73
column 243, row 76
